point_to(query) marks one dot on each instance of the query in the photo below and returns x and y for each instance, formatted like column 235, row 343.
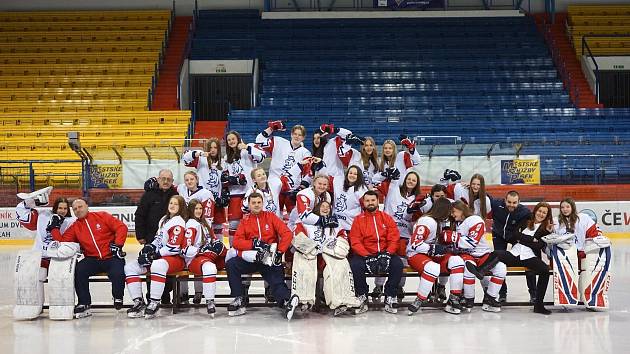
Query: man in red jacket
column 374, row 240
column 101, row 237
column 256, row 232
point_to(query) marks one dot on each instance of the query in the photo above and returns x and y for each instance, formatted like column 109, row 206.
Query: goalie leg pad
column 29, row 287
column 303, row 244
column 304, row 278
column 594, row 279
column 565, row 276
column 339, row 283
column 61, row 288
column 338, row 248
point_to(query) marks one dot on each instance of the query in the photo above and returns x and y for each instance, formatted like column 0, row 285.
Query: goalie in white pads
column 102, row 238
column 430, row 258
column 32, row 266
column 327, row 240
column 593, row 260
column 469, row 239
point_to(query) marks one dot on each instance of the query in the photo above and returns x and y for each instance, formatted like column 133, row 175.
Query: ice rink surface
column 263, row 330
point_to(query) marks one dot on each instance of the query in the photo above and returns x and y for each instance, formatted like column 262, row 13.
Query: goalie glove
column 450, row 176
column 391, row 174
column 407, row 143
column 55, row 222
column 117, row 251
column 436, row 250
column 371, row 262
column 276, row 125
column 224, row 200
column 151, row 184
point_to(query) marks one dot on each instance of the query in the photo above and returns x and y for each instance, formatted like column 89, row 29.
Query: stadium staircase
column 165, row 97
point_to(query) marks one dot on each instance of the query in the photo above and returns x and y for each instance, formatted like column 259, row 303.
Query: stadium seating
column 600, row 20
column 486, row 80
column 90, row 72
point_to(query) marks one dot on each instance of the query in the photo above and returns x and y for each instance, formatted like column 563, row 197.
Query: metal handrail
column 592, row 57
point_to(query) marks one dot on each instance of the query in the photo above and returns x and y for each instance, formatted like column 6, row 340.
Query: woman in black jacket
column 526, row 252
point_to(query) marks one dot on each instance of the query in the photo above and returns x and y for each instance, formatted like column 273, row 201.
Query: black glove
column 277, row 259
column 117, row 251
column 151, row 184
column 144, row 259
column 355, row 139
column 55, row 222
column 451, row 175
column 329, row 221
column 371, row 262
column 437, row 249
column 258, row 244
column 242, row 180
column 148, row 249
column 391, row 174
column 416, row 205
column 316, row 166
column 303, row 185
column 217, row 247
column 224, row 200
column 383, row 262
column 225, row 175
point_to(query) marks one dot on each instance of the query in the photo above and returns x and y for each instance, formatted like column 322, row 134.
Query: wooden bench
column 106, row 25
column 76, row 69
column 82, row 36
column 54, row 58
column 180, row 277
column 154, row 118
column 47, row 94
column 588, row 10
column 78, row 81
column 80, row 16
column 82, row 47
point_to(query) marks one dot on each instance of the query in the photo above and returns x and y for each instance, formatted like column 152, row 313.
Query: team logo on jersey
column 236, row 168
column 288, row 163
column 270, row 205
column 213, row 180
column 401, row 209
column 266, row 227
column 341, row 204
column 318, row 236
column 98, row 226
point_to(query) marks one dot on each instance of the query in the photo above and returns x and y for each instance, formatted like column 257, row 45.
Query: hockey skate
column 81, row 311
column 151, row 310
column 245, row 297
column 236, row 307
column 416, row 305
column 137, row 310
column 490, row 304
column 290, row 306
column 340, row 310
column 197, row 298
column 269, row 298
column 376, row 294
column 363, row 307
column 211, row 308
column 400, row 294
column 453, row 305
column 468, row 304
column 440, row 295
column 118, row 304
column 391, row 304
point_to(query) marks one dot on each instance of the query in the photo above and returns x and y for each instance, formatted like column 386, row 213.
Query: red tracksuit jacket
column 372, row 233
column 265, row 224
column 94, row 233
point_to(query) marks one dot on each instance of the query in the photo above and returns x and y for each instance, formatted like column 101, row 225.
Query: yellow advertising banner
column 518, row 171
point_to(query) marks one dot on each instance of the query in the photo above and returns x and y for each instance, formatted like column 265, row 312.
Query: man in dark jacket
column 153, row 206
column 509, row 217
column 151, row 209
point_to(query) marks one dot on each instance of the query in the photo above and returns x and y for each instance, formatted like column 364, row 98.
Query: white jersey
column 337, row 154
column 209, row 175
column 320, row 235
column 243, row 166
column 201, row 194
column 521, row 251
column 347, row 203
column 37, row 220
column 371, row 175
column 458, row 192
column 305, row 201
column 270, row 198
column 429, row 204
column 396, row 206
column 196, row 236
column 170, row 236
column 584, row 228
column 424, row 234
column 471, row 236
column 283, row 155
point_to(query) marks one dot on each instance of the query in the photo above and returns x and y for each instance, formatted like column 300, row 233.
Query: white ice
column 514, row 330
